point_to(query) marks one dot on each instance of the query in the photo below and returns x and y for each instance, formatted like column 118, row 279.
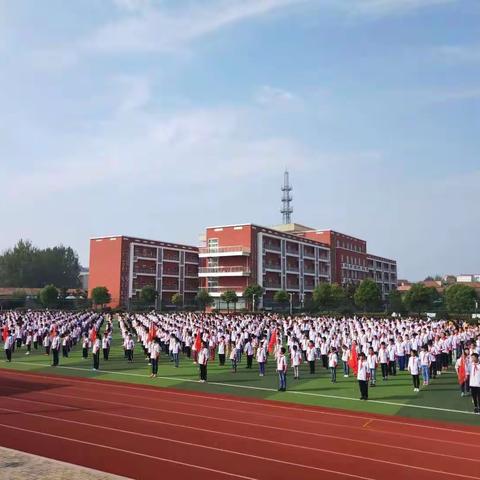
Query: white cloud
column 161, row 29
column 377, row 8
column 132, row 5
column 136, row 92
column 268, row 95
column 459, row 53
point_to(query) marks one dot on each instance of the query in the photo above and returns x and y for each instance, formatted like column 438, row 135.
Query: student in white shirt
column 175, row 346
column 425, row 364
column 296, row 358
column 462, row 363
column 248, row 349
column 474, row 376
column 345, row 359
column 332, row 364
column 311, row 356
column 85, row 345
column 55, row 349
column 233, row 358
column 282, row 370
column 106, row 346
column 372, row 366
column 9, row 342
column 414, row 369
column 96, row 352
column 203, row 356
column 261, row 359
column 222, row 350
column 154, row 356
column 362, row 376
column 383, row 360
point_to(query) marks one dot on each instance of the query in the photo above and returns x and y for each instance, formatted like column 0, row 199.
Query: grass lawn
column 439, row 401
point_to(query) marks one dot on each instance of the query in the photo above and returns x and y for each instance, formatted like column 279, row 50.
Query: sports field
column 439, row 401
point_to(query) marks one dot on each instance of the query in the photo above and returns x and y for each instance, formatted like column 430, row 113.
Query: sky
column 157, row 118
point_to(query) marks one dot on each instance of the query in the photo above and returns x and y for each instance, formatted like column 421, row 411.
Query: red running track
column 143, row 432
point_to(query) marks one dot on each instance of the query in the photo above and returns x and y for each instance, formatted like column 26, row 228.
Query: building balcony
column 272, row 247
column 217, row 291
column 307, row 254
column 170, row 273
column 273, row 266
column 292, row 268
column 272, row 286
column 351, row 266
column 236, row 250
column 219, row 271
column 144, row 271
column 137, row 257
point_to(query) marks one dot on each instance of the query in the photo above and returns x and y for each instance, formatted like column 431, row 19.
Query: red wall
column 105, row 266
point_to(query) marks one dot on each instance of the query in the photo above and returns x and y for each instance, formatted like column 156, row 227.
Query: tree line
column 26, row 266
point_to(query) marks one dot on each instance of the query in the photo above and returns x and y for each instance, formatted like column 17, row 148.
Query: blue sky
column 156, row 118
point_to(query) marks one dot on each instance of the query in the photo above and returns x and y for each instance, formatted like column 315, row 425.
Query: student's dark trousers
column 221, row 358
column 475, row 391
column 363, row 384
column 84, row 352
column 96, row 360
column 311, row 364
column 105, row 353
column 154, row 362
column 384, row 367
column 416, row 381
column 55, row 356
column 249, row 361
column 8, row 353
column 203, row 372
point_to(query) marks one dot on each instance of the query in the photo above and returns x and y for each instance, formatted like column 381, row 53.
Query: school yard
column 236, row 425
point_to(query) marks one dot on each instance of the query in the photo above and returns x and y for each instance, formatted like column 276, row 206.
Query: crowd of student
column 361, row 346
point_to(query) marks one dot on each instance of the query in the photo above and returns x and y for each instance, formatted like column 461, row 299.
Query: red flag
column 462, row 374
column 5, row 333
column 152, row 332
column 93, row 334
column 353, row 360
column 273, row 341
column 198, row 342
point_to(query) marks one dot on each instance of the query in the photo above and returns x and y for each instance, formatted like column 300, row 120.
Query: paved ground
column 15, row 465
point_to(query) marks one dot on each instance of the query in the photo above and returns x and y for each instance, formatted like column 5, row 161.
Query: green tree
column 101, row 296
column 418, row 298
column 460, row 298
column 338, row 296
column 252, row 290
column 395, row 302
column 229, row 296
column 204, row 299
column 148, row 294
column 48, row 296
column 281, row 297
column 27, row 266
column 177, row 300
column 322, row 296
column 367, row 296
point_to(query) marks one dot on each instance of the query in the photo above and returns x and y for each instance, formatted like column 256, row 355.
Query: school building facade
column 127, row 264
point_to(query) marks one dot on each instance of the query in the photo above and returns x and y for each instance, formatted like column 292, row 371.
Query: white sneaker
column 345, row 376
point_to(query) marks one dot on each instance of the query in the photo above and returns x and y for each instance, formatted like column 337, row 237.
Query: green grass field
column 439, row 401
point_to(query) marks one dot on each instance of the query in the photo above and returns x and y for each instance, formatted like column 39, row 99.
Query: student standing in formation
column 233, row 359
column 383, row 360
column 332, row 364
column 392, row 365
column 249, row 352
column 129, row 346
column 345, row 359
column 372, row 366
column 9, row 342
column 28, row 342
column 64, row 338
column 461, row 367
column 296, row 361
column 414, row 369
column 311, row 355
column 47, row 344
column 203, row 355
column 261, row 359
column 176, row 352
column 362, row 376
column 106, row 346
column 474, row 376
column 96, row 352
column 282, row 370
column 55, row 348
column 154, row 356
column 222, row 349
column 425, row 364
column 85, row 346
